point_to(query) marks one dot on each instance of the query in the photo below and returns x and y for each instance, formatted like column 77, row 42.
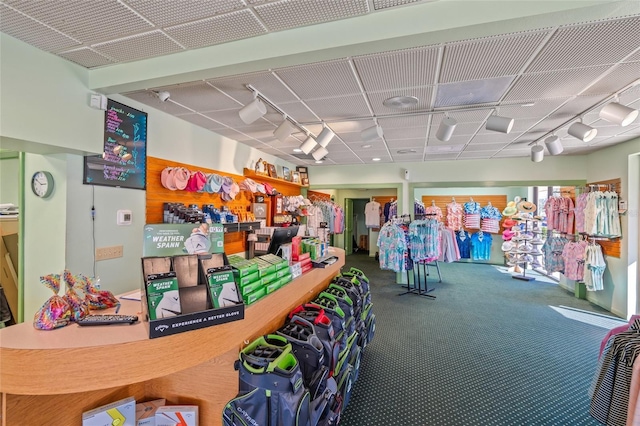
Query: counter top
column 116, row 355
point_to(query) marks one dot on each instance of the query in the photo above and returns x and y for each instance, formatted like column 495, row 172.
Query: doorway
column 356, row 233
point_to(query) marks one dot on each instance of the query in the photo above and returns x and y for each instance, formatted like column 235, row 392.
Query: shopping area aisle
column 489, row 350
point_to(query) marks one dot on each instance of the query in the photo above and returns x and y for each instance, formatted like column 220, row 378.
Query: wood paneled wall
column 157, row 195
column 498, row 201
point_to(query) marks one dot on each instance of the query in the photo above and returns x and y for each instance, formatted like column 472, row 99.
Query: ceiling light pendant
column 308, row 145
column 447, row 126
column 325, row 137
column 252, row 111
column 583, row 132
column 554, row 146
column 284, row 130
column 320, row 153
column 537, row 153
column 496, row 123
column 619, row 114
column 371, row 133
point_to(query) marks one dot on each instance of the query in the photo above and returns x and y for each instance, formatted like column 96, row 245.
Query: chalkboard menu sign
column 124, row 160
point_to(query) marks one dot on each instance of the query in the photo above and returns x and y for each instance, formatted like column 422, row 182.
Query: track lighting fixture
column 554, row 146
column 496, row 123
column 284, row 130
column 252, row 111
column 371, row 133
column 325, row 137
column 163, row 96
column 447, row 126
column 308, row 145
column 320, row 153
column 583, row 132
column 537, row 153
column 619, row 114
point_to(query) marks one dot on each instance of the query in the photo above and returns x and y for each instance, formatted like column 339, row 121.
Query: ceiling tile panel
column 406, row 133
column 218, row 29
column 492, row 137
column 230, row 118
column 200, row 97
column 339, row 108
column 476, row 155
column 298, row 111
column 202, row 121
column 404, row 122
column 476, row 92
column 553, row 84
column 86, row 57
column 165, row 13
column 422, row 93
column 284, row 14
column 148, row 98
column 265, row 82
column 33, row 32
column 540, row 108
column 384, row 4
column 321, row 80
column 462, row 129
column 588, row 45
column 440, row 157
column 444, row 148
column 400, row 158
column 397, row 70
column 84, row 20
column 406, row 144
column 619, row 77
column 484, row 147
column 493, row 57
column 634, row 57
column 455, row 140
column 136, row 47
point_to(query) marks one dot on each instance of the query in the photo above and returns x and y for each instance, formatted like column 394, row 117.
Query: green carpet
column 490, row 350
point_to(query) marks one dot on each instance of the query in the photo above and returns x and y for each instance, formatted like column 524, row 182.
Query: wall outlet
column 104, row 253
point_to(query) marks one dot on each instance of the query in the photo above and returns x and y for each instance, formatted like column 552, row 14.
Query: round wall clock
column 42, row 184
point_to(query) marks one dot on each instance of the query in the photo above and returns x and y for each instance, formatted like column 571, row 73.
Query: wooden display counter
column 52, row 377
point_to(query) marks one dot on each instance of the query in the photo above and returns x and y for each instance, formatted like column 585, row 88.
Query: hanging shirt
column 454, row 216
column 481, row 246
column 463, row 238
column 372, row 214
column 573, row 255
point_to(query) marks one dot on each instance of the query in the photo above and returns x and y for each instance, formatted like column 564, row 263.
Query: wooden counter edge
column 81, row 369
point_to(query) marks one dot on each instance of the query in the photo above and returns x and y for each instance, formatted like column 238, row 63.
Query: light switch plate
column 124, row 217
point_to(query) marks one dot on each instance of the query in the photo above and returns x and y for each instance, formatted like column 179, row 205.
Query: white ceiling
column 563, row 71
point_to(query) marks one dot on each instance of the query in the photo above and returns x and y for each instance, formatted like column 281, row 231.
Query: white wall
column 9, row 180
column 49, row 113
column 612, row 163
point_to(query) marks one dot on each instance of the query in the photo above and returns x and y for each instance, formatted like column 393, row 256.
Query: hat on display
column 507, row 246
column 507, row 235
column 181, row 177
column 233, row 191
column 509, row 223
column 214, row 183
column 260, row 188
column 526, row 207
column 249, row 185
column 269, row 190
column 196, row 182
column 171, row 181
column 510, row 210
column 165, row 176
column 226, row 184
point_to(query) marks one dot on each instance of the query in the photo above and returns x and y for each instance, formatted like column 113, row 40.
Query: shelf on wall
column 259, row 177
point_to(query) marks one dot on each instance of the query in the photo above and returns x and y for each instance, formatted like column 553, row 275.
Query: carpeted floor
column 490, row 350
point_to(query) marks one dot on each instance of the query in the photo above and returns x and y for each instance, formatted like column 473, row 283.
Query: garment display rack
column 420, row 278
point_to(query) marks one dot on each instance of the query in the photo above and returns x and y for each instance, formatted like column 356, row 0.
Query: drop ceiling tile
column 406, row 143
column 620, row 76
column 384, row 4
column 540, row 108
column 462, row 129
column 440, row 157
column 403, row 158
column 553, row 84
column 340, row 108
column 406, row 133
column 513, row 153
column 489, row 57
column 199, row 96
column 148, row 98
column 201, row 121
column 588, row 45
column 434, row 149
column 484, row 146
column 402, row 122
column 298, row 111
column 284, row 14
column 217, row 29
column 165, row 13
column 33, row 32
column 634, row 57
column 136, row 47
column 476, row 92
column 229, row 118
column 473, row 155
column 399, row 69
column 455, row 140
column 86, row 57
column 85, row 20
column 265, row 82
column 320, row 80
column 422, row 93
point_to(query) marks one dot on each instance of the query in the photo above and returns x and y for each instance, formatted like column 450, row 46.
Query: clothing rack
column 417, row 289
